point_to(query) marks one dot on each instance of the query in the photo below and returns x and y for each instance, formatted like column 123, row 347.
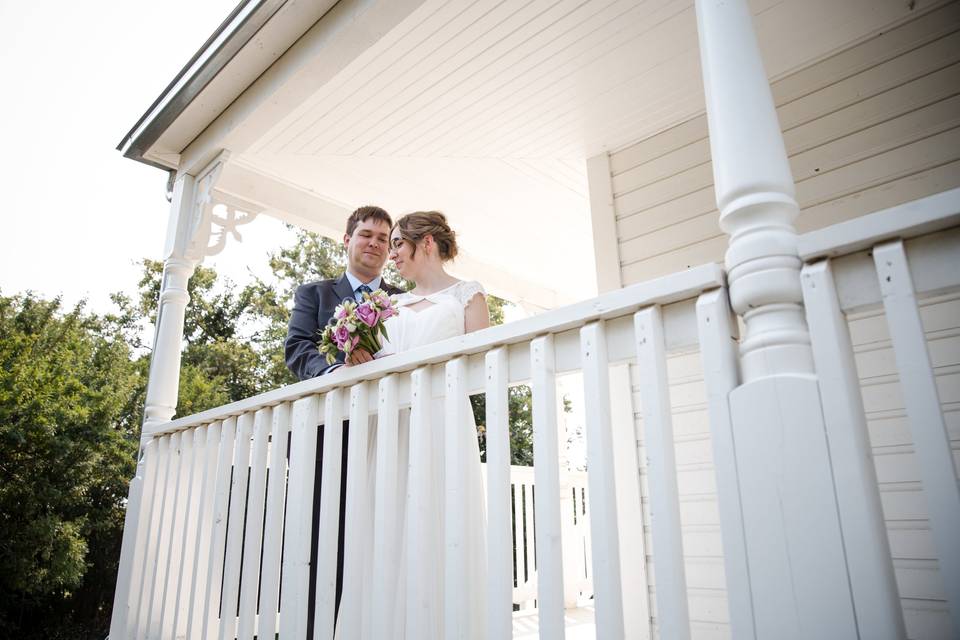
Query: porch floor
column 579, row 624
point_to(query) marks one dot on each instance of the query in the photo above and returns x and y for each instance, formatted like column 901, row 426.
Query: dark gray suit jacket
column 313, row 306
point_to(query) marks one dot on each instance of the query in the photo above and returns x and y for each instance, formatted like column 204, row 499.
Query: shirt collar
column 355, row 282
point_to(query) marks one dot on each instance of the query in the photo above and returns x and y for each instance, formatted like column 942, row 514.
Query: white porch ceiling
column 487, row 111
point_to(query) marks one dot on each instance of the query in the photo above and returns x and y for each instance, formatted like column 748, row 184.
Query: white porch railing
column 187, row 571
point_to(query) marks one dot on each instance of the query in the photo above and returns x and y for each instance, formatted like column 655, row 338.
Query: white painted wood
column 672, row 606
column 869, row 565
column 633, row 549
column 549, row 552
column 299, row 521
column 386, row 545
column 187, row 543
column 177, row 530
column 675, row 287
column 914, row 218
column 931, row 441
column 327, row 541
column 161, row 560
column 218, row 533
column 151, row 532
column 422, row 539
column 606, row 254
column 130, row 571
column 718, row 350
column 162, row 385
column 357, row 563
column 229, row 602
column 456, row 582
column 204, row 530
column 499, row 531
column 253, row 537
column 603, row 491
column 275, row 518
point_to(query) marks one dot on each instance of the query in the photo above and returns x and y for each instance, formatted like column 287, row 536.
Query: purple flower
column 367, row 314
column 340, row 335
column 387, row 313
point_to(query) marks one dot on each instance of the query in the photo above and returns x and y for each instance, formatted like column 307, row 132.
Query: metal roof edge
column 243, row 23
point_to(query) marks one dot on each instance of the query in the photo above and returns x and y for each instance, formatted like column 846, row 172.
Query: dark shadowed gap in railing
column 243, row 533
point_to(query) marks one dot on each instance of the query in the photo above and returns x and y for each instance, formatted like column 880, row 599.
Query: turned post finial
column 755, row 193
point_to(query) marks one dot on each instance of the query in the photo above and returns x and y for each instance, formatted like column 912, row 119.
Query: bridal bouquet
column 357, row 325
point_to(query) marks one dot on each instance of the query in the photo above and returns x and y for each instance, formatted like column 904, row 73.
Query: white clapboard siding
column 869, row 127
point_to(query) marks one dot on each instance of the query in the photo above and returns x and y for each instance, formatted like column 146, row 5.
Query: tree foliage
column 67, row 444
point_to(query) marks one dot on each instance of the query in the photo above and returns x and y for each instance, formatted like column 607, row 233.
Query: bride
column 438, row 307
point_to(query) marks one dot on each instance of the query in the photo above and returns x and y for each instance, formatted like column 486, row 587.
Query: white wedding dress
column 422, row 582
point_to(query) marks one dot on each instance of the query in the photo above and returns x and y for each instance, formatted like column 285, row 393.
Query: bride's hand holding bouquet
column 357, row 328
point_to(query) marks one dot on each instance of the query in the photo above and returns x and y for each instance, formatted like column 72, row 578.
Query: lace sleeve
column 467, row 289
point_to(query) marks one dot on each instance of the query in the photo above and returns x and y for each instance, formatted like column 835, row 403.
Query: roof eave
column 243, row 23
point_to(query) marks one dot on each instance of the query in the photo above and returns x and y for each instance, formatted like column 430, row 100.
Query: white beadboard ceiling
column 488, row 109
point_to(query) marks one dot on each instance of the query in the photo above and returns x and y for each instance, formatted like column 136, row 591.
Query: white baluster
column 327, row 540
column 872, row 579
column 717, row 331
column 203, row 532
column 930, row 438
column 499, row 539
column 603, row 492
column 186, row 542
column 299, row 521
column 357, row 549
column 160, row 561
column 671, row 584
column 546, row 458
column 254, row 526
column 274, row 516
column 218, row 531
column 168, row 601
column 385, row 525
column 234, row 546
column 422, row 539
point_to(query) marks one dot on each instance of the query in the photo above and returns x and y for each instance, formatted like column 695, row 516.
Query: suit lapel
column 343, row 289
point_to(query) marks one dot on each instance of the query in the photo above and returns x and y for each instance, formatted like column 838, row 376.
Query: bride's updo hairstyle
column 415, row 226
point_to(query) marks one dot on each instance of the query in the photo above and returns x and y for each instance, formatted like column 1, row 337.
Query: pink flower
column 367, row 314
column 387, row 313
column 340, row 313
column 340, row 335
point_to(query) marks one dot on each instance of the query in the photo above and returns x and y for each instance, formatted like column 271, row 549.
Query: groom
column 367, row 241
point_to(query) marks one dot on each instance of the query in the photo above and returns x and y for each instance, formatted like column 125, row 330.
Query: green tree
column 67, row 444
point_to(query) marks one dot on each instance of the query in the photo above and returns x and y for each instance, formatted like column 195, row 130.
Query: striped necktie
column 362, row 289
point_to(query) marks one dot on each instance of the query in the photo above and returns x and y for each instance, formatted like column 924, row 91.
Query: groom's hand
column 359, row 356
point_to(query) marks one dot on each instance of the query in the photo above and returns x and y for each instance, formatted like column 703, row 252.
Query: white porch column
column 189, row 239
column 798, row 579
column 603, row 219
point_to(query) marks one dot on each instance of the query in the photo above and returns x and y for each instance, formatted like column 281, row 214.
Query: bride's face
column 401, row 252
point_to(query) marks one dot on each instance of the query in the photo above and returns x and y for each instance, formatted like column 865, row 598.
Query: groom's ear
column 346, row 239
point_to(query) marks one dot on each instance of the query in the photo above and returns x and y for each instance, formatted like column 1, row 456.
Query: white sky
column 76, row 76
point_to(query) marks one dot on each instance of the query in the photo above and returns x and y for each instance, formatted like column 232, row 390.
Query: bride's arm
column 476, row 316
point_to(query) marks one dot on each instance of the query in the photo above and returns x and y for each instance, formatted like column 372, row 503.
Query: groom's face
column 367, row 248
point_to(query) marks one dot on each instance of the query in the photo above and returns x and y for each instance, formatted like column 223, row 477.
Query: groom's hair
column 363, row 213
